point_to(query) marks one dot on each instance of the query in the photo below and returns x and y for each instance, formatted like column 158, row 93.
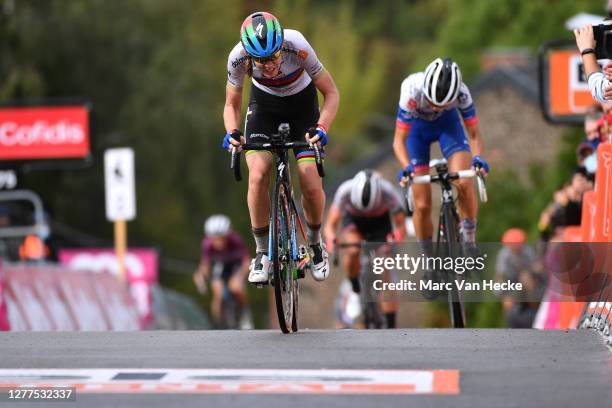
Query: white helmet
column 442, row 81
column 217, row 225
column 365, row 191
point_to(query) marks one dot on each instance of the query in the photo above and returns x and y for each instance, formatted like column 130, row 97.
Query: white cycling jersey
column 298, row 67
column 414, row 105
column 388, row 201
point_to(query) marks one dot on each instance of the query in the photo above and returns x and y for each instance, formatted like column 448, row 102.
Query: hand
column 395, row 236
column 608, row 93
column 200, row 282
column 404, row 174
column 607, row 69
column 480, row 165
column 584, row 38
column 230, row 143
column 320, row 137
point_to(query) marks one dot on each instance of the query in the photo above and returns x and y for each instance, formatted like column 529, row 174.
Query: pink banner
column 142, row 272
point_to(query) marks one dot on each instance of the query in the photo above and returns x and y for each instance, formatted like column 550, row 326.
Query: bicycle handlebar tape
column 312, row 132
column 235, row 159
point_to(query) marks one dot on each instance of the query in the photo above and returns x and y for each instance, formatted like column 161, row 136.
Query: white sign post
column 120, row 197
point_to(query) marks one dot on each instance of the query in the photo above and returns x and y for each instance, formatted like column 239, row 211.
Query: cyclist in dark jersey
column 366, row 208
column 225, row 262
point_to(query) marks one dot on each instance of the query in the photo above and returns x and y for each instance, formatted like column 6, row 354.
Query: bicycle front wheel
column 282, row 260
column 451, row 240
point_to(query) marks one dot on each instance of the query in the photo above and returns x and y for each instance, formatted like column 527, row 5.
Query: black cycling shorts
column 266, row 112
column 224, row 270
column 373, row 229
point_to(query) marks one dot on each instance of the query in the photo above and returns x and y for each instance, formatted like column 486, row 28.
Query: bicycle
column 449, row 237
column 289, row 259
column 369, row 297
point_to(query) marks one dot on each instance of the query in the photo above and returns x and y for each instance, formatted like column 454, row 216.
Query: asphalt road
column 497, row 368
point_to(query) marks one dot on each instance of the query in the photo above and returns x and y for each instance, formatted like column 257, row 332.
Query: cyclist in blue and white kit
column 434, row 105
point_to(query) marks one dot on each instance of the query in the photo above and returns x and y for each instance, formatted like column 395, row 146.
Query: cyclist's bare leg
column 258, row 199
column 350, row 258
column 217, row 297
column 466, row 195
column 423, row 225
column 313, row 197
column 236, row 288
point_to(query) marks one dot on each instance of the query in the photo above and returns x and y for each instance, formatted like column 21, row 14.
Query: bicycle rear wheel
column 450, row 237
column 282, row 260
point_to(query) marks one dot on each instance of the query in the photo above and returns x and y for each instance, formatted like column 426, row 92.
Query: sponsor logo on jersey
column 290, row 51
column 258, row 136
column 239, row 61
column 462, row 98
column 302, row 54
column 412, row 104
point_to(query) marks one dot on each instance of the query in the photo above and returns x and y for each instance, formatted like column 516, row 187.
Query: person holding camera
column 599, row 81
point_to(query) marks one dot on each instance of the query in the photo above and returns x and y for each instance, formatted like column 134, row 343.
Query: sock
column 468, row 230
column 390, row 318
column 355, row 284
column 261, row 238
column 314, row 233
column 426, row 247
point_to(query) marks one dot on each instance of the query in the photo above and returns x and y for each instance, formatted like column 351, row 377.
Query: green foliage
column 472, row 25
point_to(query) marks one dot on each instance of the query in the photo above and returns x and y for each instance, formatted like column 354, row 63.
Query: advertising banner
column 57, row 132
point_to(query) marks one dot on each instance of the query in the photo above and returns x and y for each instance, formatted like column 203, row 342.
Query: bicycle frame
column 448, row 225
column 288, row 263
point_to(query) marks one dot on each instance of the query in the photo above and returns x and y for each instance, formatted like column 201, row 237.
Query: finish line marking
column 237, row 381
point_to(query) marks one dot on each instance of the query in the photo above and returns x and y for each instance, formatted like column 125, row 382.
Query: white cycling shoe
column 259, row 269
column 320, row 263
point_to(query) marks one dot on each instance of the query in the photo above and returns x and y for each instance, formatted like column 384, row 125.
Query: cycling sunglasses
column 272, row 57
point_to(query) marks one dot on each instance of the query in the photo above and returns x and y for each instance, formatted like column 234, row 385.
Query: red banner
column 44, row 133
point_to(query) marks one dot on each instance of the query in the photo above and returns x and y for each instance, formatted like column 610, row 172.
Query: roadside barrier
column 51, row 297
column 593, row 272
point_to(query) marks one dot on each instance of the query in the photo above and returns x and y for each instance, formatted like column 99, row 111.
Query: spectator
column 583, row 151
column 517, row 262
column 595, row 124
